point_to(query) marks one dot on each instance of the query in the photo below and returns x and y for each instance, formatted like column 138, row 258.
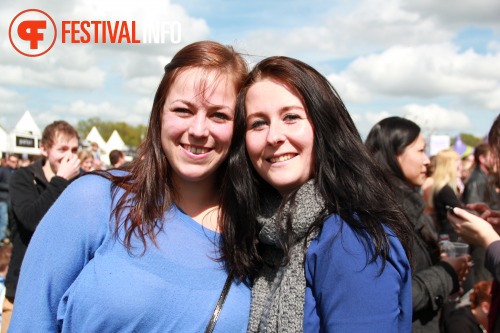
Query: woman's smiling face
column 279, row 135
column 197, row 123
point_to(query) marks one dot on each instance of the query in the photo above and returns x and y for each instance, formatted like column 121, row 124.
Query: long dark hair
column 148, row 188
column 344, row 173
column 386, row 141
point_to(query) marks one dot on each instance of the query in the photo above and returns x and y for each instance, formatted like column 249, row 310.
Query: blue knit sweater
column 76, row 277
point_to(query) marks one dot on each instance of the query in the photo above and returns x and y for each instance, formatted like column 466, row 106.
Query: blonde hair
column 445, row 172
column 84, row 154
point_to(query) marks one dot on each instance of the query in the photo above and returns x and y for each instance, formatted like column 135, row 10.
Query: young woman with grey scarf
column 332, row 241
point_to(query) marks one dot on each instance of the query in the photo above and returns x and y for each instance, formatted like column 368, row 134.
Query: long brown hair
column 148, row 188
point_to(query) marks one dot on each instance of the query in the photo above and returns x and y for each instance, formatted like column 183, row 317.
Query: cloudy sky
column 436, row 62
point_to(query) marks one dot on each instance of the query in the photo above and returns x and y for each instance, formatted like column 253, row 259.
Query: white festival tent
column 95, row 136
column 24, row 139
column 114, row 142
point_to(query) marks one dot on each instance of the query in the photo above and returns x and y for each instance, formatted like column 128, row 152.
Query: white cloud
column 375, row 117
column 141, row 111
column 478, row 12
column 11, row 103
column 145, row 86
column 489, row 99
column 9, row 95
column 494, row 46
column 77, row 108
column 428, row 71
column 137, row 66
column 433, row 117
column 370, row 26
column 349, row 90
column 58, row 77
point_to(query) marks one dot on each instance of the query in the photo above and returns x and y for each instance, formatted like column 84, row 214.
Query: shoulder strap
column 220, row 303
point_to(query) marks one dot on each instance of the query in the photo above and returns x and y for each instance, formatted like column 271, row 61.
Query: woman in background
column 399, row 148
column 86, row 160
column 446, row 190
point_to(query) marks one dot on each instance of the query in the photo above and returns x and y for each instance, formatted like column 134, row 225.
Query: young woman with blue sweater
column 333, row 242
column 139, row 250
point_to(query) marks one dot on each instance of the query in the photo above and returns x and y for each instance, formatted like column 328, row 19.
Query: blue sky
column 436, row 62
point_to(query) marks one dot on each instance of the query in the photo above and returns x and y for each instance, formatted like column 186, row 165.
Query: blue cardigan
column 77, row 277
column 345, row 294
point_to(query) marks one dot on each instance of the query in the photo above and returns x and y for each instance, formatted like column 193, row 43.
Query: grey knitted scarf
column 278, row 293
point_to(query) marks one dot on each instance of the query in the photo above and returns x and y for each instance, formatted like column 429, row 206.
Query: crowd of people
column 253, row 205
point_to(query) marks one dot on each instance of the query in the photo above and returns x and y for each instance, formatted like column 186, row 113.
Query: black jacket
column 446, row 196
column 5, row 174
column 31, row 197
column 432, row 281
column 475, row 186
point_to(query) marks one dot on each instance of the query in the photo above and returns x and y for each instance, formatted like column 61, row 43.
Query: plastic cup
column 456, row 249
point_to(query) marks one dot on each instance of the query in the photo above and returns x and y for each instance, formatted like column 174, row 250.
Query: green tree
column 471, row 140
column 468, row 139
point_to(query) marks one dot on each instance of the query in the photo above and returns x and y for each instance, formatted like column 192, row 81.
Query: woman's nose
column 199, row 126
column 276, row 134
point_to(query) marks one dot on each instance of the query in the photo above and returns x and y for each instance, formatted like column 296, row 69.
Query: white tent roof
column 95, row 136
column 27, row 125
column 115, row 142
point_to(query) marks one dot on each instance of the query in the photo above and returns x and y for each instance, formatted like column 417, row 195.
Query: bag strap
column 220, row 303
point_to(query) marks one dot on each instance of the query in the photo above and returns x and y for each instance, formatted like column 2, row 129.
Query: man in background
column 476, row 186
column 479, row 188
column 33, row 190
column 116, row 158
column 5, row 174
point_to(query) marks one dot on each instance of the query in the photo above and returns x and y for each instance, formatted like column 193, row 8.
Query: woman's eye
column 291, row 117
column 181, row 110
column 220, row 116
column 257, row 123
